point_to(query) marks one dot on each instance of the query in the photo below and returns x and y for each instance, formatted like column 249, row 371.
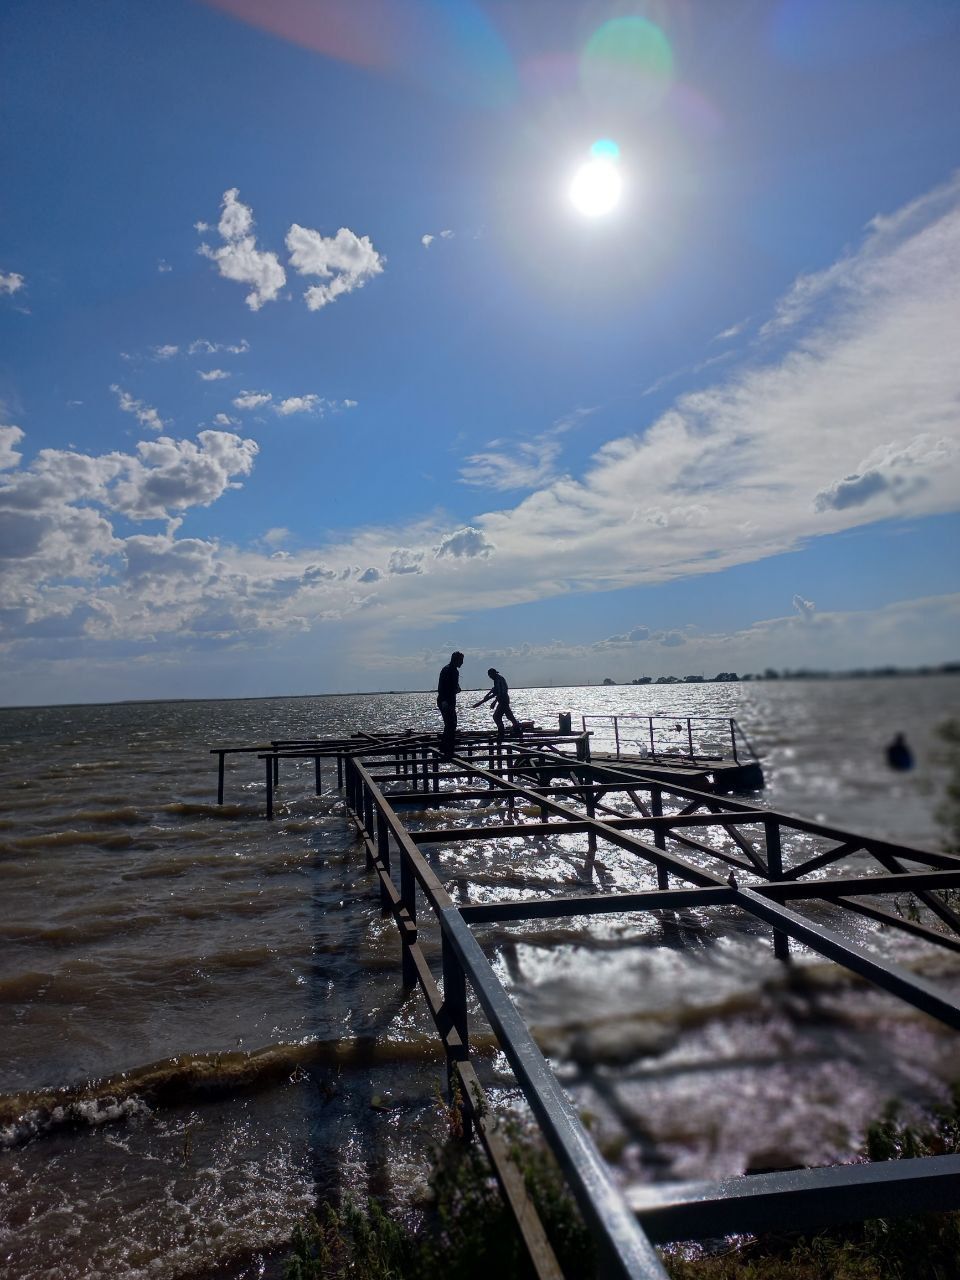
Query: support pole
column 318, row 779
column 771, row 831
column 659, row 837
column 221, row 754
column 269, row 770
column 408, row 903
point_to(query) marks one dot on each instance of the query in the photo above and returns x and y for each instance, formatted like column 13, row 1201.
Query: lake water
column 201, row 1021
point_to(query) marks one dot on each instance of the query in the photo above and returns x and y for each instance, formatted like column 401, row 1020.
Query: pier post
column 221, row 754
column 408, row 903
column 659, row 839
column 455, row 1011
column 269, row 764
column 690, row 737
column 318, row 778
column 276, row 761
column 368, row 822
column 383, row 853
column 339, row 771
column 771, row 832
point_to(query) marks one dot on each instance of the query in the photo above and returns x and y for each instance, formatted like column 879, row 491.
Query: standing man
column 501, row 702
column 448, row 686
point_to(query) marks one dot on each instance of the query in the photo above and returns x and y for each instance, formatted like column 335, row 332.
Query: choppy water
column 201, row 1024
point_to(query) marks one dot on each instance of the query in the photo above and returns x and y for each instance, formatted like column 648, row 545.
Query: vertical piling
column 771, row 832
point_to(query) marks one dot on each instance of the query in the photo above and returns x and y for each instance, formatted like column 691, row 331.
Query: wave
column 193, row 1078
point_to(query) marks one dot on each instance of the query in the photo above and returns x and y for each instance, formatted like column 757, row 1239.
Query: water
column 201, row 1025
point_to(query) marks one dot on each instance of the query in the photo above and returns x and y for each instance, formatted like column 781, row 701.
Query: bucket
column 566, row 722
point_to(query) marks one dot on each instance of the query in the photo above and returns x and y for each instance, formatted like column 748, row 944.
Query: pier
column 693, row 849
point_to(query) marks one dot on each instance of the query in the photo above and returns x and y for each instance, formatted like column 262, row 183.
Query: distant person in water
column 501, row 702
column 899, row 755
column 448, row 686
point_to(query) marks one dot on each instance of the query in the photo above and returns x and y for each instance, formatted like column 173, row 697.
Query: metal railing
column 697, row 739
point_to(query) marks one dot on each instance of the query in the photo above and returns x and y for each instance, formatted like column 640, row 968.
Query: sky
column 594, row 340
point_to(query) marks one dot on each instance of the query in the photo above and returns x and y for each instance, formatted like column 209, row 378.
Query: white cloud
column 274, row 537
column 346, row 260
column 12, row 282
column 224, row 420
column 428, row 239
column 163, row 266
column 252, row 399
column 898, row 471
column 734, row 331
column 520, row 464
column 369, row 575
column 239, row 259
column 465, row 544
column 144, row 413
column 403, row 560
column 202, row 346
column 165, row 352
column 10, row 437
column 805, row 608
column 212, row 375
column 300, row 404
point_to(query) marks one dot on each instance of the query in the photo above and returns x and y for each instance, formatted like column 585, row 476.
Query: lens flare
column 596, row 187
column 605, row 149
column 628, row 63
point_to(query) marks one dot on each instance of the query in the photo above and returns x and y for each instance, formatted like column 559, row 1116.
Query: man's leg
column 498, row 720
column 508, row 712
column 448, row 737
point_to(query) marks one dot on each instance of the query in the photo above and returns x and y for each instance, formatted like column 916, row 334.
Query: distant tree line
column 799, row 673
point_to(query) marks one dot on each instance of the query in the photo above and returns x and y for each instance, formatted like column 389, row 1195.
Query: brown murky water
column 201, row 1025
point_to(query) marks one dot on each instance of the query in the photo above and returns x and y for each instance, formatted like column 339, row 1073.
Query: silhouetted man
column 501, row 702
column 448, row 686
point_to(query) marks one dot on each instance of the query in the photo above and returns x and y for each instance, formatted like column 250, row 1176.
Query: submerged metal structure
column 707, row 851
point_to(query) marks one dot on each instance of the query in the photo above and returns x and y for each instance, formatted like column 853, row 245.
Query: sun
column 596, row 186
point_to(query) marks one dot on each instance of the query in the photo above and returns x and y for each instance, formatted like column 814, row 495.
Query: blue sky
column 311, row 370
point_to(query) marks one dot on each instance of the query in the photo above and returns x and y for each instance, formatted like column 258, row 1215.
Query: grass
column 467, row 1231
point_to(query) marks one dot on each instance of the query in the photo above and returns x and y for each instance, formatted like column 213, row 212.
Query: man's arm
column 485, row 698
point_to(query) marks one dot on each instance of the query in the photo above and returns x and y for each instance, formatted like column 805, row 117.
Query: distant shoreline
column 879, row 673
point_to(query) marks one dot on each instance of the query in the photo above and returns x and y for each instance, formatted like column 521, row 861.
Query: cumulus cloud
column 894, row 469
column 143, row 413
column 163, row 266
column 10, row 437
column 252, row 399
column 165, row 352
column 310, row 403
column 224, row 420
column 805, row 608
column 213, row 375
column 172, row 475
column 239, row 258
column 465, row 544
column 427, row 240
column 369, row 575
column 345, row 261
column 403, row 560
column 12, row 282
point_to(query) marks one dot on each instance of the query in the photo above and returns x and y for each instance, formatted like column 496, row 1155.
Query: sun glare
column 596, row 186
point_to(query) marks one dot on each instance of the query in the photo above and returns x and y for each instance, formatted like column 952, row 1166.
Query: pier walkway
column 693, row 849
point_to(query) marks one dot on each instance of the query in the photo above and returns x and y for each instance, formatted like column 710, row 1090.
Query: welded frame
column 378, row 773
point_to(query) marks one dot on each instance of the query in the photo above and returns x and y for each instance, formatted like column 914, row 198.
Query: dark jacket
column 448, row 685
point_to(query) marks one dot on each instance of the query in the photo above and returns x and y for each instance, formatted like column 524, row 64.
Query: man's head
column 456, row 658
column 492, row 672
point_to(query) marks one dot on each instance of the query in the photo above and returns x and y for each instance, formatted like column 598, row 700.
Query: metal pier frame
column 765, row 877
